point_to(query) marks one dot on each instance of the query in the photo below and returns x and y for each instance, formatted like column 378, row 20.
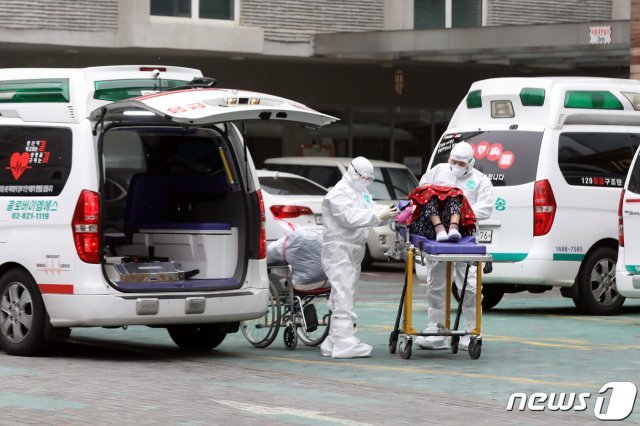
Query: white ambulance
column 557, row 151
column 628, row 266
column 128, row 197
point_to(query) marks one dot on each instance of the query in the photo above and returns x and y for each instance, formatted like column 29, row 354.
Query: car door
column 210, row 106
column 630, row 215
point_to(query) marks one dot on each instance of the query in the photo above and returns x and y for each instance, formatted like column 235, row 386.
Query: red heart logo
column 18, row 164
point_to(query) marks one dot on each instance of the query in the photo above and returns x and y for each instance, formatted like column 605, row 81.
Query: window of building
column 434, row 14
column 428, row 14
column 197, row 9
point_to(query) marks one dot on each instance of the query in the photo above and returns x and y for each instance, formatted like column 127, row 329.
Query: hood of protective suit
column 462, row 152
column 360, row 173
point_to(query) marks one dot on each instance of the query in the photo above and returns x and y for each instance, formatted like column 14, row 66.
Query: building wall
column 514, row 12
column 295, row 21
column 77, row 15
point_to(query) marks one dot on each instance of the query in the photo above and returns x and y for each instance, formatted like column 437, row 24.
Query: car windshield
column 289, row 186
column 506, row 157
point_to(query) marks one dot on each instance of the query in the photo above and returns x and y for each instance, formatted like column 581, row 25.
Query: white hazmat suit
column 347, row 212
column 478, row 190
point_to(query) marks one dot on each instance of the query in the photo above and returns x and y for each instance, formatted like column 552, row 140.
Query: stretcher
column 412, row 247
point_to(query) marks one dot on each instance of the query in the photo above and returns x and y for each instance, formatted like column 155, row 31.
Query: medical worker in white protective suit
column 347, row 212
column 478, row 190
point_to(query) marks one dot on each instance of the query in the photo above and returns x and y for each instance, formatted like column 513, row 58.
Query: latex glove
column 388, row 213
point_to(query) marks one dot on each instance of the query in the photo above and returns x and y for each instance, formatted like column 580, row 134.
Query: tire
column 475, row 348
column 491, row 296
column 316, row 337
column 367, row 261
column 597, row 291
column 261, row 332
column 406, row 345
column 290, row 337
column 22, row 314
column 197, row 337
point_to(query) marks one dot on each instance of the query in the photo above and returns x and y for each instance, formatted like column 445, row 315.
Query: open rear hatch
column 179, row 211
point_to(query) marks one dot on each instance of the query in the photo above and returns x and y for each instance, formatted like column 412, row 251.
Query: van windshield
column 506, row 157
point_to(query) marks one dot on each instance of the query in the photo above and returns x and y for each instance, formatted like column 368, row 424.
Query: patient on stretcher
column 438, row 212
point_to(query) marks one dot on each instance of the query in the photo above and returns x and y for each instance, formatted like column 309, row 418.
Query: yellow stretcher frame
column 407, row 330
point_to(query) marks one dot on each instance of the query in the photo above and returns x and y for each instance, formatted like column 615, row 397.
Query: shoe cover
column 454, row 235
column 432, row 342
column 350, row 348
column 326, row 349
column 463, row 345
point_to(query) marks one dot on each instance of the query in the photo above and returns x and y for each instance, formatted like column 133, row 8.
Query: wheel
column 290, row 337
column 393, row 342
column 491, row 296
column 22, row 314
column 405, row 348
column 455, row 340
column 597, row 291
column 367, row 261
column 196, row 337
column 475, row 348
column 316, row 336
column 261, row 332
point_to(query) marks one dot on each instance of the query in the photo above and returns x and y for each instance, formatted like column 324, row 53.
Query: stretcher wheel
column 290, row 337
column 455, row 340
column 393, row 342
column 475, row 348
column 405, row 348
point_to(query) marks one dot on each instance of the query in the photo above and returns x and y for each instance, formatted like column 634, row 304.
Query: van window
column 506, row 157
column 378, row 188
column 595, row 159
column 634, row 178
column 34, row 161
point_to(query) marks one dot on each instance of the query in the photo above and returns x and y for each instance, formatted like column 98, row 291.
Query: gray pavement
column 138, row 376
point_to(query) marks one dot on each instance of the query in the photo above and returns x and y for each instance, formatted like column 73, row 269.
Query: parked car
column 557, row 151
column 392, row 182
column 627, row 278
column 290, row 202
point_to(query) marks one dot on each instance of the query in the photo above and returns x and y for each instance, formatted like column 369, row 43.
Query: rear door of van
column 510, row 159
column 630, row 220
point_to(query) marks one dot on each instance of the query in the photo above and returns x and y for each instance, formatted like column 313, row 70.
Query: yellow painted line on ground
column 439, row 372
column 581, row 345
column 617, row 320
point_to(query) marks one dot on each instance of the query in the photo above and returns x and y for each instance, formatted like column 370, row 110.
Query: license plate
column 318, row 219
column 484, row 235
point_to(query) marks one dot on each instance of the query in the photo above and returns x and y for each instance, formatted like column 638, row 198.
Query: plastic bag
column 301, row 249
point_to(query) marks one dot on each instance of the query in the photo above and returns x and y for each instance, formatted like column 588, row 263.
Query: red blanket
column 420, row 195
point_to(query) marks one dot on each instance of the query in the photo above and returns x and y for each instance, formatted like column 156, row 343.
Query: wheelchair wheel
column 315, row 335
column 261, row 332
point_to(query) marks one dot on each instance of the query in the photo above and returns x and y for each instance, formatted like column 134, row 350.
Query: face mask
column 458, row 171
column 360, row 184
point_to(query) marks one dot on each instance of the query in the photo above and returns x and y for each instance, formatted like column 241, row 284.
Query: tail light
column 262, row 244
column 85, row 226
column 283, row 212
column 620, row 220
column 544, row 208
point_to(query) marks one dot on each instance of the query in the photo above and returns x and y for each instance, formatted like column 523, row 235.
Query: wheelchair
column 303, row 313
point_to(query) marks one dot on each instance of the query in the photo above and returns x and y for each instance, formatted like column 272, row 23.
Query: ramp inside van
column 172, row 210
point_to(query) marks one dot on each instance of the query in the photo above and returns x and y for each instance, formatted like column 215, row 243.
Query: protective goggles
column 367, row 179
